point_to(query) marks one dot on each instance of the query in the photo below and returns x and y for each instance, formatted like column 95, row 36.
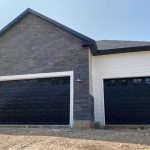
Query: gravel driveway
column 73, row 139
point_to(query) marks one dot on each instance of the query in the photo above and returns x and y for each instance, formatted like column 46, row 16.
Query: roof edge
column 29, row 10
column 75, row 33
column 14, row 22
column 90, row 42
column 123, row 50
column 87, row 42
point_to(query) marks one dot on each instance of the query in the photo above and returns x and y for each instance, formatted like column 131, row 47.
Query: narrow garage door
column 36, row 101
column 127, row 101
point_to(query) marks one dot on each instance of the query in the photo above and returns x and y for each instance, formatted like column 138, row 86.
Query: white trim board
column 47, row 75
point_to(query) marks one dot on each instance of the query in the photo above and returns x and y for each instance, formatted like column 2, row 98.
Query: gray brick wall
column 35, row 46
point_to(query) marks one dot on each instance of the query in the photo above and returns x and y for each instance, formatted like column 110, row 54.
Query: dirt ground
column 73, row 139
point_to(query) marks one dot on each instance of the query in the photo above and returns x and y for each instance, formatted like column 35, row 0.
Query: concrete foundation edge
column 83, row 124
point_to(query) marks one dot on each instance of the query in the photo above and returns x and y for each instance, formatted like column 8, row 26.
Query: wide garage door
column 35, row 101
column 127, row 101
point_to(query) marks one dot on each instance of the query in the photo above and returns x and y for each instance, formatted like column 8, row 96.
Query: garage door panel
column 26, row 106
column 129, row 119
column 33, row 119
column 145, row 103
column 35, row 102
column 45, row 101
column 32, row 99
column 26, row 93
column 20, row 112
column 127, row 101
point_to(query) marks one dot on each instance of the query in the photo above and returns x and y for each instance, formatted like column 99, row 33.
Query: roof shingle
column 116, row 44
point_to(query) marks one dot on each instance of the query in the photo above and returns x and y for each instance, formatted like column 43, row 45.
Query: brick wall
column 36, row 46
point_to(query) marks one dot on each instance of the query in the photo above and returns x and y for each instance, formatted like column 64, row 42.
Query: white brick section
column 135, row 64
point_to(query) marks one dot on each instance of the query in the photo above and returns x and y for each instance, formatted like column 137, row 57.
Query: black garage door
column 36, row 101
column 127, row 101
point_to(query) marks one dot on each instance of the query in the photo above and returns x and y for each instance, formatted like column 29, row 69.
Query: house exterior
column 120, row 83
column 53, row 75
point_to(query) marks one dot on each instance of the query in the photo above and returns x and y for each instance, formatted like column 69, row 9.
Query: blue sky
column 98, row 19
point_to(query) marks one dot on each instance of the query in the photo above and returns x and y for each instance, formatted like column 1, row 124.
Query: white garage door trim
column 47, row 75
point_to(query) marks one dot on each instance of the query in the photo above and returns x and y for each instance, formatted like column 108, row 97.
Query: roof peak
column 29, row 10
column 89, row 42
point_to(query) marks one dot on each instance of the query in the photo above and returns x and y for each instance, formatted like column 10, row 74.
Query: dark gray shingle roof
column 116, row 44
